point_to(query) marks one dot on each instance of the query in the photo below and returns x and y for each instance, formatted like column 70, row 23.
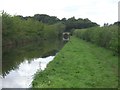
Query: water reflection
column 19, row 62
column 23, row 76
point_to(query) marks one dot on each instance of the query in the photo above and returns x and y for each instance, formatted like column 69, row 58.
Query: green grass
column 106, row 36
column 80, row 65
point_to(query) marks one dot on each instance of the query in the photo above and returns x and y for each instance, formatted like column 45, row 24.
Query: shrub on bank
column 106, row 36
column 17, row 30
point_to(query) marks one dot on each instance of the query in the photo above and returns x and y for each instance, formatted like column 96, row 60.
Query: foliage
column 79, row 23
column 18, row 30
column 70, row 23
column 46, row 18
column 54, row 31
column 103, row 36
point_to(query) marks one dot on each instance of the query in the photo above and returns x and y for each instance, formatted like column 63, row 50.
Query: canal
column 19, row 64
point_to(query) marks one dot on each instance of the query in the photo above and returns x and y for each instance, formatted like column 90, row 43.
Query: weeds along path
column 80, row 65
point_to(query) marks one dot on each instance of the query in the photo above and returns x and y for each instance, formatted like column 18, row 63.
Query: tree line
column 18, row 29
column 70, row 23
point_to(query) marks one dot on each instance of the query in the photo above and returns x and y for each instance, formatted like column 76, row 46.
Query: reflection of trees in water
column 12, row 57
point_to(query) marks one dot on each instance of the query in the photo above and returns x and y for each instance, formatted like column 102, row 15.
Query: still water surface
column 23, row 76
column 19, row 64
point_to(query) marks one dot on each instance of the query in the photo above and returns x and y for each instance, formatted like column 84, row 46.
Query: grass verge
column 80, row 64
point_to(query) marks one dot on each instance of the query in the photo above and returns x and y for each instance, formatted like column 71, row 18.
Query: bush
column 17, row 30
column 103, row 36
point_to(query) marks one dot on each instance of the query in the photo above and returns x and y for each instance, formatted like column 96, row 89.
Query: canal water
column 19, row 64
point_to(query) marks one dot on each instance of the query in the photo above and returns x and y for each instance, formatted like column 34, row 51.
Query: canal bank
column 19, row 64
column 80, row 65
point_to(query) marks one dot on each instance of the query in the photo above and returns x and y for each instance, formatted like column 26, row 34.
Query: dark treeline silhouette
column 70, row 23
column 80, row 23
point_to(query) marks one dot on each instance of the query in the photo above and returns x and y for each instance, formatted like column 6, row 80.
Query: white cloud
column 96, row 10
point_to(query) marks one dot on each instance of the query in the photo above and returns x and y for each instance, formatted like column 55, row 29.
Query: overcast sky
column 99, row 11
